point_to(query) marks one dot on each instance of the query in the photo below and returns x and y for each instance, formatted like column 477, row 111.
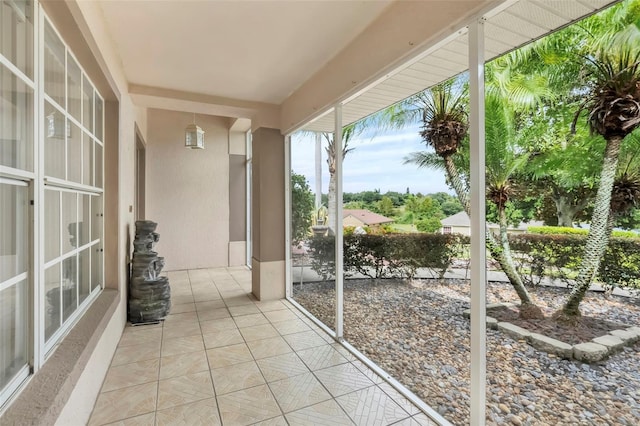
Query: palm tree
column 614, row 112
column 348, row 132
column 444, row 129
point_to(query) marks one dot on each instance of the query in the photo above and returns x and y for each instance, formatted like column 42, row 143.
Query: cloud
column 375, row 163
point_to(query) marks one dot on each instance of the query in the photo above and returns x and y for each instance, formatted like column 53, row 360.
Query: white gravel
column 416, row 332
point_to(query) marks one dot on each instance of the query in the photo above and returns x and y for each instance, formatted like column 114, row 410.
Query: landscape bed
column 415, row 331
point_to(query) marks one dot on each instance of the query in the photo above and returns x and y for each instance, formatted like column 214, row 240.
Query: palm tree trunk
column 458, row 185
column 599, row 233
column 331, row 201
column 503, row 255
column 500, row 252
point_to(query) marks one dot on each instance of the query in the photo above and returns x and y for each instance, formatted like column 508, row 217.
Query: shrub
column 389, row 255
column 559, row 256
column 560, row 230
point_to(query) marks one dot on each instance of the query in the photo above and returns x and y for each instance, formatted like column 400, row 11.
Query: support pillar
column 268, row 214
column 478, row 224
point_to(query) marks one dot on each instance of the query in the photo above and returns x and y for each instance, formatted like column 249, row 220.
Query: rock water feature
column 149, row 293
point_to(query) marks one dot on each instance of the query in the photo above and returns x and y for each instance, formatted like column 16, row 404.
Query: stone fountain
column 149, row 292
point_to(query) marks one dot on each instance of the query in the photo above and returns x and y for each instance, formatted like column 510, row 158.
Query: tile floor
column 223, row 358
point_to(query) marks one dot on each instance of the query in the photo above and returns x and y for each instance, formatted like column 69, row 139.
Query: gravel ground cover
column 417, row 333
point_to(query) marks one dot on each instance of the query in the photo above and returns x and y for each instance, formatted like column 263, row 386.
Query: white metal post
column 287, row 217
column 478, row 224
column 338, row 221
column 318, row 176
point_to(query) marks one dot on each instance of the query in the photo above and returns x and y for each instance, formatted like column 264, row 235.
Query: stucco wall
column 188, row 190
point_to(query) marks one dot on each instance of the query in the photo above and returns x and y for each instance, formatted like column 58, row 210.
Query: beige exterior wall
column 188, row 190
column 268, row 214
column 352, row 221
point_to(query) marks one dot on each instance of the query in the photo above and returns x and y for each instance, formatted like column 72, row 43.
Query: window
column 61, row 118
column 72, row 122
column 14, row 278
column 446, row 229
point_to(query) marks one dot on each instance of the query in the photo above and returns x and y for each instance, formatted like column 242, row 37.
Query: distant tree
column 450, row 208
column 429, row 224
column 302, row 207
column 385, row 207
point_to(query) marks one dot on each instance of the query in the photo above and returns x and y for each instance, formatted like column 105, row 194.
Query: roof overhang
column 507, row 25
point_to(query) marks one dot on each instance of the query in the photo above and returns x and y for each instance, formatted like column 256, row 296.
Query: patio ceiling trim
column 268, row 115
column 508, row 26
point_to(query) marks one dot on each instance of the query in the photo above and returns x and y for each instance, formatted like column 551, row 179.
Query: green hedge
column 560, row 230
column 536, row 256
column 388, row 255
column 559, row 256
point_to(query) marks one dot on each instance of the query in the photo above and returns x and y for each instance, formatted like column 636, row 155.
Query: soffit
column 258, row 51
column 514, row 24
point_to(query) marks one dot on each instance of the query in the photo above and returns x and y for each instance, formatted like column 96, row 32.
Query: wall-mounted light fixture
column 56, row 124
column 194, row 136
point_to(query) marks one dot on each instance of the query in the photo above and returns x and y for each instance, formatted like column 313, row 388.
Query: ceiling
column 262, row 51
column 514, row 24
column 258, row 51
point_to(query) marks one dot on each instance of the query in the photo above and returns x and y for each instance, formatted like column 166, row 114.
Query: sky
column 377, row 162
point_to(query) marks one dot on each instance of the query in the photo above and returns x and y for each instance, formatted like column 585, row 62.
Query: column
column 268, row 214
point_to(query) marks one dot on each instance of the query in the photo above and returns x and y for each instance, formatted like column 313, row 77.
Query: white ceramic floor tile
column 182, row 345
column 290, row 327
column 228, row 355
column 204, row 412
column 250, row 320
column 248, row 406
column 371, row 406
column 258, row 332
column 342, row 379
column 304, row 340
column 184, row 389
column 220, row 338
column 265, row 348
column 126, row 375
column 327, row 413
column 321, row 357
column 135, row 353
column 183, row 364
column 236, row 377
column 140, row 336
column 124, row 403
column 143, row 420
column 298, row 392
column 281, row 367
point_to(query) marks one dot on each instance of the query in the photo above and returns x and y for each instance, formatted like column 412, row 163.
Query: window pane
column 51, row 225
column 54, row 76
column 87, row 159
column 52, row 300
column 69, row 222
column 87, row 104
column 74, row 153
column 74, row 88
column 16, row 34
column 85, row 219
column 96, row 218
column 13, row 230
column 69, row 286
column 16, row 121
column 54, row 142
column 84, row 274
column 98, row 165
column 96, row 266
column 98, row 132
column 13, row 331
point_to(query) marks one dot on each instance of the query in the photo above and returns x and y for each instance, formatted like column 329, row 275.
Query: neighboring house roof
column 458, row 219
column 365, row 216
column 461, row 219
